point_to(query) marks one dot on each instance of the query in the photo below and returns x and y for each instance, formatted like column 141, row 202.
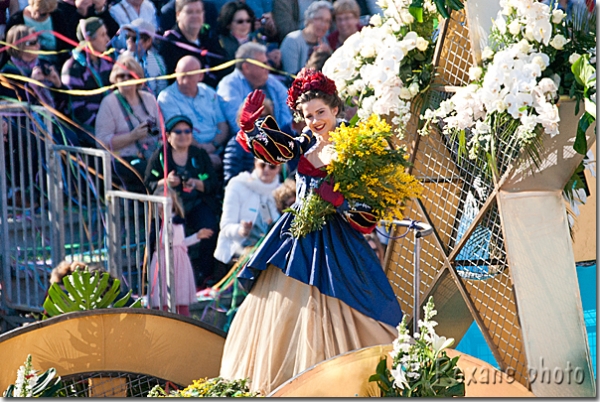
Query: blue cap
column 173, row 121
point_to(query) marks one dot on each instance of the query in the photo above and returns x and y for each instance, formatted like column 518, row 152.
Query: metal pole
column 421, row 230
column 168, row 239
column 417, row 281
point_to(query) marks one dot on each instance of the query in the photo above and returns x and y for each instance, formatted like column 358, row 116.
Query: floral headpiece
column 306, row 80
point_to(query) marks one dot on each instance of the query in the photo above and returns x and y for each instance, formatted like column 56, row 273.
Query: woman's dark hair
column 332, row 100
column 226, row 16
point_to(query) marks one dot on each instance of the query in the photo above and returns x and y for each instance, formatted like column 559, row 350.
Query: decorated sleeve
column 361, row 218
column 268, row 143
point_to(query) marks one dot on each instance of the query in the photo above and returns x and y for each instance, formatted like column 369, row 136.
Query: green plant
column 420, row 366
column 85, row 291
column 29, row 384
column 584, row 74
column 208, row 388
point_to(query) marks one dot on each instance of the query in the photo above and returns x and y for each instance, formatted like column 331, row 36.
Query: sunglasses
column 133, row 37
column 263, row 165
column 32, row 42
column 248, row 21
column 184, row 131
column 123, row 76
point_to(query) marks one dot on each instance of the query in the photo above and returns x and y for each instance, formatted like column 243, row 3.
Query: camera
column 46, row 67
column 182, row 173
column 153, row 130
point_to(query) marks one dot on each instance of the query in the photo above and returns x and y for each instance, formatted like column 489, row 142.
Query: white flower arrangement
column 26, row 380
column 514, row 94
column 381, row 68
column 31, row 384
column 420, row 365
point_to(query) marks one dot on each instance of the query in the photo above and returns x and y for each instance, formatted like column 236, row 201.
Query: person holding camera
column 238, row 24
column 23, row 61
column 127, row 126
column 191, row 174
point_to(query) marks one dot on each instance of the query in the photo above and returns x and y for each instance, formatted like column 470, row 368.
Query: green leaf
column 583, row 71
column 580, row 145
column 590, row 107
column 441, row 7
column 456, row 390
column 416, row 10
column 353, row 120
column 9, row 393
column 121, row 302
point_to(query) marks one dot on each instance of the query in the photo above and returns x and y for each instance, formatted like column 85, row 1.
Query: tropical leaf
column 85, row 291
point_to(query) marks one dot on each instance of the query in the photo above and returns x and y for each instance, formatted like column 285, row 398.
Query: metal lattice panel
column 466, row 256
column 455, row 52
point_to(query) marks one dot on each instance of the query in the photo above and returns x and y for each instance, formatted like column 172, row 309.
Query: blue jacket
column 233, row 90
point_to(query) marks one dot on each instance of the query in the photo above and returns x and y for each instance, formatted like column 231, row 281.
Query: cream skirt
column 285, row 326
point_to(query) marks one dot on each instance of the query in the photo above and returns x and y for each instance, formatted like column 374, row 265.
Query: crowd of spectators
column 181, row 68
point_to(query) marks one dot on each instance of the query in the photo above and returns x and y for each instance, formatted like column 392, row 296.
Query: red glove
column 326, row 192
column 252, row 109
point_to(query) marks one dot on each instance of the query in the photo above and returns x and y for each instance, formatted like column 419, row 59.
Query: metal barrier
column 56, row 204
column 133, row 218
column 78, row 180
column 25, row 224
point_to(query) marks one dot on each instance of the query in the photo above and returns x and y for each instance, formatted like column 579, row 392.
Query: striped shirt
column 80, row 73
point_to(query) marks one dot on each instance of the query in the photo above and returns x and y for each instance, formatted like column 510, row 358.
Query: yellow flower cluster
column 369, row 169
column 208, row 388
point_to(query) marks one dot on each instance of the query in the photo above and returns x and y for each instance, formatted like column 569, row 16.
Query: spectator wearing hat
column 86, row 69
column 128, row 124
column 191, row 36
column 126, row 11
column 190, row 97
column 76, row 10
column 191, row 174
column 140, row 36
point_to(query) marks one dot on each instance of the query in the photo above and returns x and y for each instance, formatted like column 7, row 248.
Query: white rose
column 368, row 51
column 406, row 17
column 574, row 57
column 557, row 16
column 475, row 73
column 487, row 53
column 375, row 20
column 405, row 93
column 540, row 62
column 558, row 42
column 514, row 27
column 422, row 44
column 413, row 88
column 524, row 46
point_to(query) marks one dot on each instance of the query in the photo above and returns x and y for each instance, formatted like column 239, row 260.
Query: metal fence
column 25, row 224
column 57, row 203
column 135, row 224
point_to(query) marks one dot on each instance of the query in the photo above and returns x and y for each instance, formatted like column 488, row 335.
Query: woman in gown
column 319, row 295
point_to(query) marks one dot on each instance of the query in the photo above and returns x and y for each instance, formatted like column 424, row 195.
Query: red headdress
column 306, row 80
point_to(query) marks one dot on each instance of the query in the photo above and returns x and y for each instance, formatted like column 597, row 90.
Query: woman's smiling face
column 319, row 117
